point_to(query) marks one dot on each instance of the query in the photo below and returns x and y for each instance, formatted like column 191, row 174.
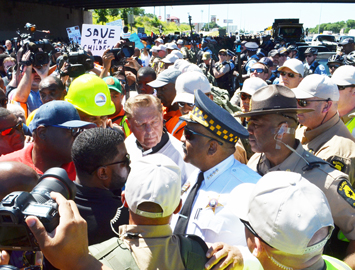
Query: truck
column 290, row 30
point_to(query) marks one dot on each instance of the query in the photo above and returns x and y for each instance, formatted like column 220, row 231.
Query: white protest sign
column 99, row 38
column 74, row 34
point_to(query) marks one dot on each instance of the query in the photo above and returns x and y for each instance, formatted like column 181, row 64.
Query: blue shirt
column 319, row 70
column 33, row 101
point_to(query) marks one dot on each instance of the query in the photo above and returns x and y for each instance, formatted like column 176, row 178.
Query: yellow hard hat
column 90, row 94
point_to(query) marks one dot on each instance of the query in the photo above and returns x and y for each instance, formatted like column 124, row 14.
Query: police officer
column 210, row 135
column 251, row 47
column 334, row 62
column 312, row 66
column 347, row 45
column 272, row 124
column 223, row 72
column 292, row 51
column 322, row 131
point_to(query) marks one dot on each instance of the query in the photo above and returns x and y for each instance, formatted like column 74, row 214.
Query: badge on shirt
column 185, row 187
column 213, row 204
column 338, row 165
column 347, row 192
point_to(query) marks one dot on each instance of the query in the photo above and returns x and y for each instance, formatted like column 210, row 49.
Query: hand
column 130, row 77
column 26, row 57
column 132, row 63
column 107, row 57
column 223, row 256
column 43, row 71
column 5, row 258
column 69, row 240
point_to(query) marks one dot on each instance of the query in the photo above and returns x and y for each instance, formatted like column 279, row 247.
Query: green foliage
column 101, row 13
column 334, row 27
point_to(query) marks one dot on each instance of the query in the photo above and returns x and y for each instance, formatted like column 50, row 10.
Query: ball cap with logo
column 316, row 85
column 91, row 95
column 113, row 84
column 285, row 210
column 217, row 120
column 156, row 179
column 273, row 99
column 59, row 113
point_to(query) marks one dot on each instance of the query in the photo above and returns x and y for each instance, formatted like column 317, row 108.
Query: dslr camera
column 121, row 54
column 78, row 59
column 16, row 206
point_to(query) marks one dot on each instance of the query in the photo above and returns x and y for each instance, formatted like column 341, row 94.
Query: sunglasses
column 11, row 130
column 223, row 54
column 309, row 55
column 189, row 135
column 305, row 102
column 258, row 70
column 74, row 131
column 182, row 104
column 126, row 161
column 342, row 87
column 290, row 75
column 244, row 96
column 283, row 55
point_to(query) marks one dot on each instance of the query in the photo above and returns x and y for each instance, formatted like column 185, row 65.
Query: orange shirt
column 173, row 124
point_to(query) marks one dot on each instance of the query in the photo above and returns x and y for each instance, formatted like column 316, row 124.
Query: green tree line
column 334, row 27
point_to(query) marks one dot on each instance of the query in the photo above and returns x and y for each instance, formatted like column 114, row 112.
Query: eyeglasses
column 126, row 161
column 290, row 75
column 188, row 133
column 74, row 131
column 244, row 96
column 258, row 70
column 333, row 66
column 182, row 104
column 305, row 102
column 342, row 87
column 250, row 228
column 11, row 130
column 309, row 55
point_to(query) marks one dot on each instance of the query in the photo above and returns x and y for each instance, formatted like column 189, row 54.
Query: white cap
column 172, row 46
column 177, row 53
column 161, row 47
column 286, row 210
column 316, row 85
column 160, row 40
column 344, row 75
column 170, row 59
column 295, row 65
column 251, row 85
column 154, row 178
column 180, row 42
column 154, row 49
column 192, row 67
column 187, row 83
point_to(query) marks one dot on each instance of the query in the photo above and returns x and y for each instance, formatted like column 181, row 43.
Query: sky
column 257, row 17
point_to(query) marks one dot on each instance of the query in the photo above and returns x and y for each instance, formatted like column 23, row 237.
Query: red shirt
column 25, row 156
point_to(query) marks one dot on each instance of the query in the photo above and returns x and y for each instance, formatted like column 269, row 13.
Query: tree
column 102, row 13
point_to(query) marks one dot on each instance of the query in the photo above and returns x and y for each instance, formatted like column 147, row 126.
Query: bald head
column 16, row 176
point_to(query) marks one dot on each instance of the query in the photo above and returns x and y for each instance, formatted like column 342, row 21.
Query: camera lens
column 54, row 179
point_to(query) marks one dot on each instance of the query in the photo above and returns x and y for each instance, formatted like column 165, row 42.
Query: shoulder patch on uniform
column 339, row 165
column 347, row 192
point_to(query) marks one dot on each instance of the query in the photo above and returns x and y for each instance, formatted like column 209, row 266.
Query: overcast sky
column 256, row 17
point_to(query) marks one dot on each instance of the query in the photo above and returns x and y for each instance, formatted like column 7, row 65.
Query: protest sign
column 74, row 34
column 98, row 38
column 135, row 38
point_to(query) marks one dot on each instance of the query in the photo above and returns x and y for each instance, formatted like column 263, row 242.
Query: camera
column 125, row 51
column 16, row 206
column 78, row 59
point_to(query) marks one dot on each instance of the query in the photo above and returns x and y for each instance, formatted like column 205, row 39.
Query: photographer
column 27, row 90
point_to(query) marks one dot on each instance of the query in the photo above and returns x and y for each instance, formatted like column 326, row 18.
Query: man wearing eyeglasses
column 291, row 73
column 12, row 137
column 209, row 144
column 312, row 66
column 54, row 128
column 344, row 78
column 272, row 124
column 102, row 167
column 323, row 133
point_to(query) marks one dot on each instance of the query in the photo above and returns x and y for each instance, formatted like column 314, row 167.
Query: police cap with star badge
column 217, row 120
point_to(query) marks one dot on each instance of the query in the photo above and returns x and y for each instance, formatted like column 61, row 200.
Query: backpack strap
column 115, row 254
column 193, row 251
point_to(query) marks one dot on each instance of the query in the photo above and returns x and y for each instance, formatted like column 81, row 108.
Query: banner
column 74, row 34
column 99, row 38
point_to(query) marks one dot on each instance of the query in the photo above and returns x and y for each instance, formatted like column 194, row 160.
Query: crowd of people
column 207, row 153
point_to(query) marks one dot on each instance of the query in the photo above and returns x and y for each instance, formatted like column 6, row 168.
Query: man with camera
column 27, row 94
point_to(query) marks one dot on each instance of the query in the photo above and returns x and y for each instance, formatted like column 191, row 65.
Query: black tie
column 181, row 224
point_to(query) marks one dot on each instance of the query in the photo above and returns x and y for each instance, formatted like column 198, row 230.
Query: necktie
column 181, row 224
